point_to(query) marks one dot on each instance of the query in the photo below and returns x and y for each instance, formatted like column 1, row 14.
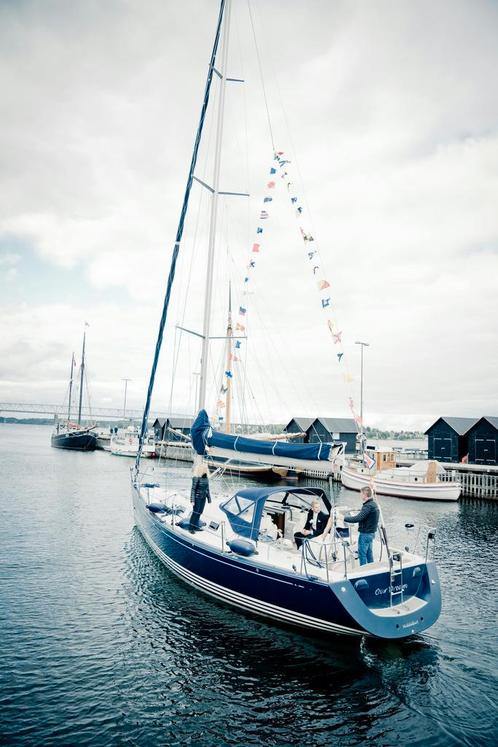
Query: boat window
column 232, row 506
column 240, row 506
column 248, row 513
column 243, row 503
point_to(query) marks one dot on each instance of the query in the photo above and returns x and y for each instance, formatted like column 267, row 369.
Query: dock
column 477, row 480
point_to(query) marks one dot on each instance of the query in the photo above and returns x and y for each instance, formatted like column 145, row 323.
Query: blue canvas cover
column 199, row 430
column 203, row 435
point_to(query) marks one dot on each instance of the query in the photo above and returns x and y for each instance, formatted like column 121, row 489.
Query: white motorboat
column 103, row 440
column 126, row 442
column 423, row 481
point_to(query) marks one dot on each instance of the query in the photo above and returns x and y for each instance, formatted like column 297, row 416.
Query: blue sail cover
column 198, row 431
column 203, row 435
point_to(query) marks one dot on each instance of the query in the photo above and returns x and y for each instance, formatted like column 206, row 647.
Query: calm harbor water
column 100, row 645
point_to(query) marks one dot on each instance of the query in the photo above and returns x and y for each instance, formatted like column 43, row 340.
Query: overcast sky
column 389, row 114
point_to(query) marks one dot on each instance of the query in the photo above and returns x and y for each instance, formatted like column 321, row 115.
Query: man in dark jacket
column 198, row 496
column 315, row 524
column 368, row 522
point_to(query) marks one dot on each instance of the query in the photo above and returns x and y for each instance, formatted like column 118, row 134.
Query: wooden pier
column 478, row 481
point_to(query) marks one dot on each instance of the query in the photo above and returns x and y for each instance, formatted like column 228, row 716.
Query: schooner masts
column 70, row 389
column 81, row 377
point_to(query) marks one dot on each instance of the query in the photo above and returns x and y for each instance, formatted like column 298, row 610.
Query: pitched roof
column 179, row 422
column 302, row 423
column 491, row 419
column 338, row 425
column 459, row 425
column 159, row 421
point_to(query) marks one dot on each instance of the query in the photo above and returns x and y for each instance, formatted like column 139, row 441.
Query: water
column 101, row 646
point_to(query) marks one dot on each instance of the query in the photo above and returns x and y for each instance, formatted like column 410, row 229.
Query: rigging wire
column 260, row 67
column 178, row 339
column 179, row 235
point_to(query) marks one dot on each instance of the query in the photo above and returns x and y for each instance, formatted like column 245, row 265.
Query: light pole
column 362, row 345
column 125, row 390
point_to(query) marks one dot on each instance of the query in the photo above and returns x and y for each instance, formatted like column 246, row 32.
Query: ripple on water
column 101, row 645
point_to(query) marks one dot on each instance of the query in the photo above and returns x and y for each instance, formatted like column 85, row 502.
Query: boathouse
column 164, row 428
column 299, row 425
column 159, row 427
column 334, row 429
column 448, row 439
column 483, row 441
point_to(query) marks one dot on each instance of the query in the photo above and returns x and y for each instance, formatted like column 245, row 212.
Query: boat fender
column 242, row 547
column 150, row 485
column 185, row 523
column 157, row 508
column 361, row 584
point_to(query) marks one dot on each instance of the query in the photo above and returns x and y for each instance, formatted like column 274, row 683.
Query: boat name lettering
column 379, row 592
column 410, row 624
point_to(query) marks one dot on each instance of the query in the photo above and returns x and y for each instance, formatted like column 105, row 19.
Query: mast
column 81, row 376
column 70, row 389
column 214, row 212
column 179, row 235
column 228, row 410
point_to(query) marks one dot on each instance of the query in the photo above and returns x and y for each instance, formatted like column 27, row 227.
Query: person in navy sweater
column 368, row 522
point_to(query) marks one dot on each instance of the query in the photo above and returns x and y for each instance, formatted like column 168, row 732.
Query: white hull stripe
column 244, row 602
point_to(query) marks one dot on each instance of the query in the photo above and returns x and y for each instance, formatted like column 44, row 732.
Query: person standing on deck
column 198, row 496
column 368, row 522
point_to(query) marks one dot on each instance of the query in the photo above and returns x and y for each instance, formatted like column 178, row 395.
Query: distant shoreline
column 371, row 433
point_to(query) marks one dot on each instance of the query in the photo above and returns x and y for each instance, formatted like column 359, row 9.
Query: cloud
column 389, row 115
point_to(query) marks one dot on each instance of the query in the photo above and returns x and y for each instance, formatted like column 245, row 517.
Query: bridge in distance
column 94, row 413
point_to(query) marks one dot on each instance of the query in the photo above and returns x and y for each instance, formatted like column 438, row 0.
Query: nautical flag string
column 317, row 268
column 323, row 285
column 241, row 320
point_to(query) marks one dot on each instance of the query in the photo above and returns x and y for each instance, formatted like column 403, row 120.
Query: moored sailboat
column 242, row 553
column 69, row 435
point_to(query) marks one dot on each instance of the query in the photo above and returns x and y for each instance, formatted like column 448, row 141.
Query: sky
column 388, row 112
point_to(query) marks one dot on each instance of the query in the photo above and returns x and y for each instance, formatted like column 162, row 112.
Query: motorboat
column 125, row 442
column 422, row 481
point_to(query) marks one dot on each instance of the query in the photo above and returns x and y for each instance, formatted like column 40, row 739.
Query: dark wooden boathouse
column 299, row 425
column 483, row 441
column 326, row 430
column 448, row 439
column 162, row 428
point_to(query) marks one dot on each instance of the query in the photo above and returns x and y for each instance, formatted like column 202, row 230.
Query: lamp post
column 125, row 391
column 362, row 345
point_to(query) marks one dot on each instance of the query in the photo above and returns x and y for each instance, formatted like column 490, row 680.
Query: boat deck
column 279, row 553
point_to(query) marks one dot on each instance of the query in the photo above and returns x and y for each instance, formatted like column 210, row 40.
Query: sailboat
column 242, row 553
column 69, row 435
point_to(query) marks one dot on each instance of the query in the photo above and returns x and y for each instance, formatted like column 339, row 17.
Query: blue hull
column 289, row 598
column 79, row 441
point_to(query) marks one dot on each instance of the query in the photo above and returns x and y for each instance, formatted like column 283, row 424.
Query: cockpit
column 266, row 514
